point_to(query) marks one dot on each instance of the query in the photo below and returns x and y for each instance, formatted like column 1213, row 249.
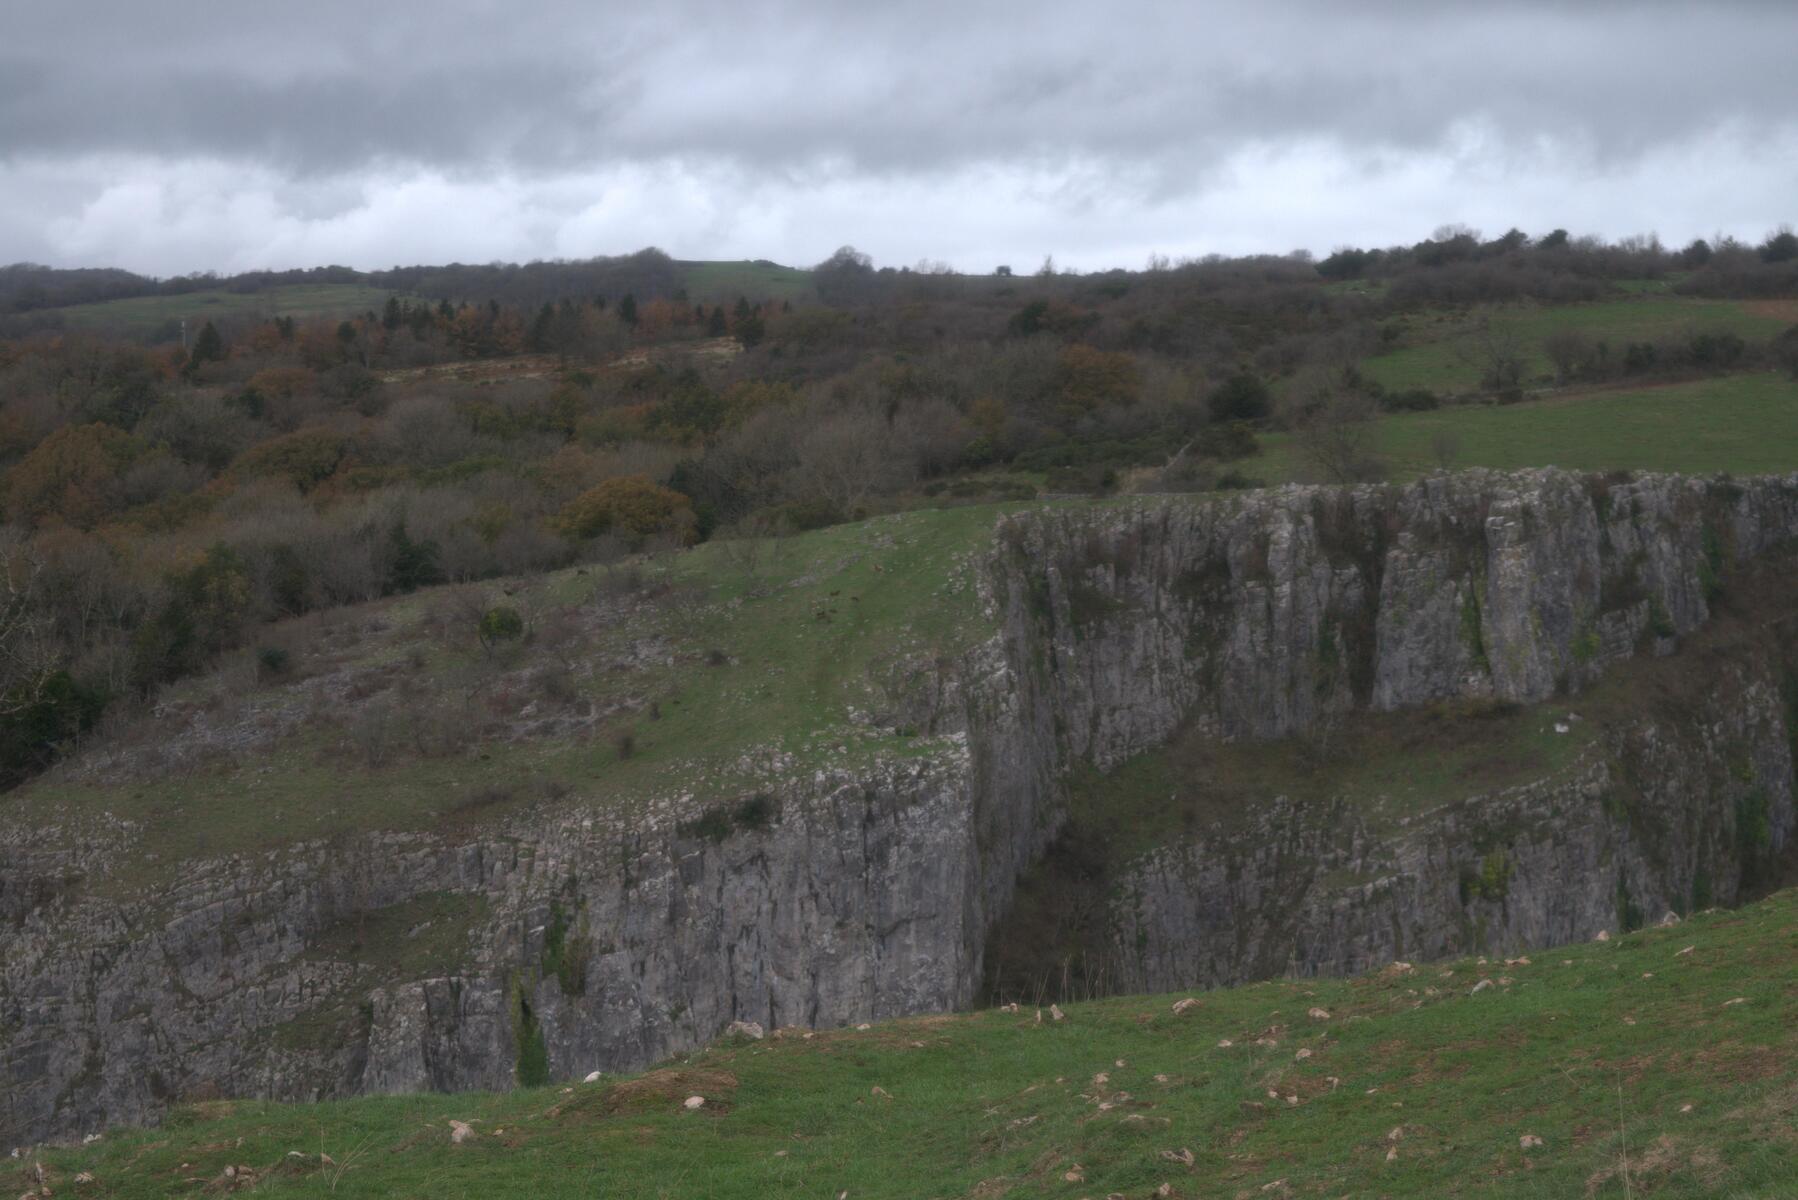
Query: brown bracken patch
column 1779, row 310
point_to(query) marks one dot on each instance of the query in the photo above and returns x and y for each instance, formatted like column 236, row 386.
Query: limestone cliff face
column 589, row 938
column 1259, row 616
column 1654, row 818
column 1269, row 615
column 596, row 943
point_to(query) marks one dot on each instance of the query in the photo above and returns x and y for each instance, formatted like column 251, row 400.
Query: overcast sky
column 199, row 135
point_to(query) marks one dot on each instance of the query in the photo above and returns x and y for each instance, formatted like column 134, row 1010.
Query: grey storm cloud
column 1072, row 114
column 898, row 86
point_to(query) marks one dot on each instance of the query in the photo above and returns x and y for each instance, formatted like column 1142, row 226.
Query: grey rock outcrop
column 1260, row 615
column 584, row 938
column 862, row 901
column 1654, row 818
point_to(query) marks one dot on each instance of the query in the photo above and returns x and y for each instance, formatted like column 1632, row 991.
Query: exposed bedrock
column 1655, row 818
column 585, row 937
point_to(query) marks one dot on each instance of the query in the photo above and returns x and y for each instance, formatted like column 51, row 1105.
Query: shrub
column 38, row 720
column 565, row 953
column 758, row 812
column 631, row 507
column 1227, row 442
column 1242, row 397
column 753, row 814
column 1094, row 379
column 272, row 661
column 1088, row 479
column 1410, row 400
column 1780, row 247
column 1043, row 316
column 1640, row 356
column 1490, row 879
column 352, row 383
column 1571, row 351
column 306, row 459
column 1785, row 350
column 1716, row 350
column 1234, row 480
column 803, row 516
column 281, row 383
column 501, row 624
column 557, row 683
column 201, row 615
column 412, row 562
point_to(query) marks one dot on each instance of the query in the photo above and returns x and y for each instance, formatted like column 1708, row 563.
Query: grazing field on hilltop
column 756, row 280
column 1444, row 352
column 156, row 316
column 1658, row 1063
column 1741, row 424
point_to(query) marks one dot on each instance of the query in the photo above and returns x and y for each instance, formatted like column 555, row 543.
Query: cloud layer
column 226, row 137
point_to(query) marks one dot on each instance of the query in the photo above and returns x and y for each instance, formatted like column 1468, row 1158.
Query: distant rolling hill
column 158, row 318
column 756, row 280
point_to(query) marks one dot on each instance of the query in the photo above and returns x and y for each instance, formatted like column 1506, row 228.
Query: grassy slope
column 1414, row 1086
column 725, row 281
column 1439, row 360
column 806, row 630
column 1743, row 424
column 1391, row 766
column 144, row 315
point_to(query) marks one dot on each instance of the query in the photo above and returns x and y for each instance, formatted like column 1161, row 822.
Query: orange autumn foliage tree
column 70, row 475
column 661, row 318
column 306, row 458
column 480, row 332
column 1094, row 379
column 319, row 347
column 746, row 397
column 283, row 383
column 630, row 507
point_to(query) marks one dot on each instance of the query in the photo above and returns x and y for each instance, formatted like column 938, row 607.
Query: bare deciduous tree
column 25, row 657
column 1498, row 355
column 1445, row 447
column 1570, row 351
column 1335, row 436
column 847, row 456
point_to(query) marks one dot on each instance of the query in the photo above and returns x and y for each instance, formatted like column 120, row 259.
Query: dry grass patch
column 1664, row 1159
column 659, row 1090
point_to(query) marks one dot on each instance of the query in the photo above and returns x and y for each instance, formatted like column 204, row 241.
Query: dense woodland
column 163, row 503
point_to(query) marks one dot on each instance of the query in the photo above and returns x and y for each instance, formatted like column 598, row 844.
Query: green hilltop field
column 153, row 316
column 759, row 279
column 1743, row 424
column 1441, row 358
column 1660, row 1063
column 147, row 316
